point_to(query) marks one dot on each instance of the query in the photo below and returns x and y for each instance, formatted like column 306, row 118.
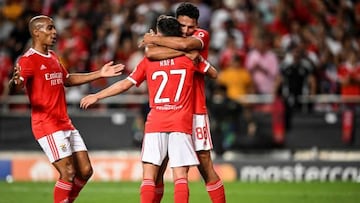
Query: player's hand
column 110, row 70
column 194, row 56
column 18, row 80
column 87, row 101
column 148, row 39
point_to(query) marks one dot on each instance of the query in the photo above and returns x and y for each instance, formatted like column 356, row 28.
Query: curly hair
column 187, row 9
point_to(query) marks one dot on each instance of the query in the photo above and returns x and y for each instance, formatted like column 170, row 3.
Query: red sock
column 181, row 194
column 76, row 188
column 216, row 191
column 147, row 191
column 159, row 192
column 61, row 191
column 347, row 126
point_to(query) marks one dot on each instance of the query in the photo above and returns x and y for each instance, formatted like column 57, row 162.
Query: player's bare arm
column 117, row 88
column 16, row 83
column 195, row 56
column 178, row 43
column 108, row 70
column 156, row 53
column 211, row 72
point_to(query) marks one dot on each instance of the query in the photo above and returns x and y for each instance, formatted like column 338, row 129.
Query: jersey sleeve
column 203, row 67
column 139, row 73
column 203, row 36
column 26, row 68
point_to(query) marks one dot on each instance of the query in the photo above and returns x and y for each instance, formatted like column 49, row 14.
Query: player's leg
column 83, row 172
column 206, row 167
column 181, row 156
column 181, row 186
column 159, row 183
column 82, row 164
column 214, row 184
column 64, row 184
column 154, row 151
column 203, row 145
column 57, row 148
column 147, row 190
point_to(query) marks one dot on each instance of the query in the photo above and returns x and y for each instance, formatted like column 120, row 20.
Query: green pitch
column 236, row 192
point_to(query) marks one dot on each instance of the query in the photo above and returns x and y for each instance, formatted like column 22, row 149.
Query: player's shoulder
column 53, row 54
column 201, row 31
column 28, row 53
column 26, row 57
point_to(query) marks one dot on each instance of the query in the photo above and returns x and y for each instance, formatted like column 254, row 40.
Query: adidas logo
column 43, row 67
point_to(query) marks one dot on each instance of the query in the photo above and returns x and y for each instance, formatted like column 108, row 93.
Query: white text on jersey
column 167, row 62
column 55, row 78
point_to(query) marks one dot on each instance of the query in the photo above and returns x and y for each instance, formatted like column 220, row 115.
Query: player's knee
column 67, row 173
column 86, row 172
column 204, row 156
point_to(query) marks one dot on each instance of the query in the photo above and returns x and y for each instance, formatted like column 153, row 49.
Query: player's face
column 188, row 25
column 47, row 32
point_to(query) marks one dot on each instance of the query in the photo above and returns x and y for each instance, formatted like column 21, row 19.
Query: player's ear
column 35, row 32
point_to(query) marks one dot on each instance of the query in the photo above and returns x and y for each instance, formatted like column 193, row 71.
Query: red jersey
column 170, row 84
column 344, row 71
column 44, row 78
column 199, row 81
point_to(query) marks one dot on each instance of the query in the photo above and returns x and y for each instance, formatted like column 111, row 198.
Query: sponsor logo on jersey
column 54, row 78
column 43, row 67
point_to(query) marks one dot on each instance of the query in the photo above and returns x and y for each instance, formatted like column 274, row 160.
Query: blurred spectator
column 223, row 111
column 326, row 73
column 142, row 23
column 266, row 9
column 263, row 64
column 125, row 50
column 205, row 13
column 236, row 78
column 349, row 78
column 6, row 26
column 349, row 73
column 228, row 52
column 19, row 37
column 62, row 20
column 132, row 62
column 13, row 9
column 74, row 51
column 6, row 66
column 297, row 78
column 293, row 37
column 225, row 27
column 238, row 83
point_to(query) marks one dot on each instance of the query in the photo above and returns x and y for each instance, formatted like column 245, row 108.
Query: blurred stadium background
column 295, row 120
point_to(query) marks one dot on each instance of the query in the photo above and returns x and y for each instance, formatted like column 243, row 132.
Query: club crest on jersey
column 63, row 147
column 167, row 62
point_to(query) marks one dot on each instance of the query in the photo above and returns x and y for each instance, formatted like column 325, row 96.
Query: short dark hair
column 187, row 9
column 168, row 26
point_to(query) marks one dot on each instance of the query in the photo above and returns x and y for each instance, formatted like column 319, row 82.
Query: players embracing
column 194, row 38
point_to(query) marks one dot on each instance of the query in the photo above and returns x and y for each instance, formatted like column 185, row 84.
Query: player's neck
column 41, row 48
